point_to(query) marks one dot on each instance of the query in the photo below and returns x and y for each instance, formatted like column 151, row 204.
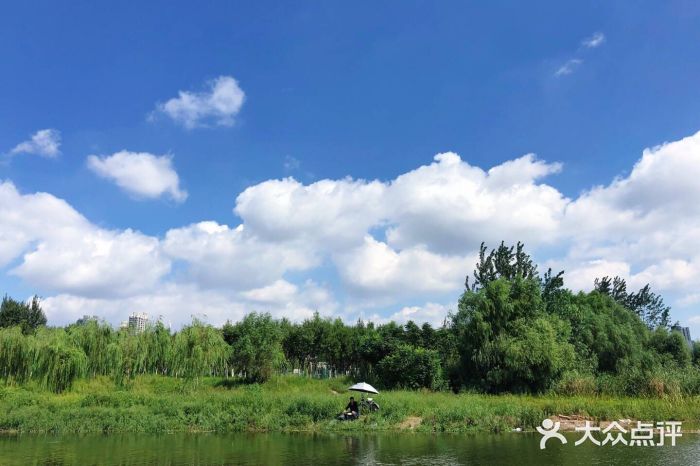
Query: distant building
column 138, row 322
column 685, row 331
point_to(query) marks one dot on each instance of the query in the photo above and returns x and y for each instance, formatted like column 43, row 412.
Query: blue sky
column 334, row 90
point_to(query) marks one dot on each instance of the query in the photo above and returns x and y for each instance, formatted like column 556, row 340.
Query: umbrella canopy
column 363, row 387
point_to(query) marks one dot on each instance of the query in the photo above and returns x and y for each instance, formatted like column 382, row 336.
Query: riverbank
column 156, row 404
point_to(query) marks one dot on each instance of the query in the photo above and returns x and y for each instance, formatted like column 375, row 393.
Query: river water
column 521, row 449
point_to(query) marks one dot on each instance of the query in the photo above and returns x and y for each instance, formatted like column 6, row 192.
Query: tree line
column 513, row 330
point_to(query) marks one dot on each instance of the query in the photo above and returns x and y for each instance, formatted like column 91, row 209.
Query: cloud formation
column 568, row 67
column 366, row 247
column 45, row 143
column 61, row 251
column 595, row 40
column 141, row 174
column 217, row 105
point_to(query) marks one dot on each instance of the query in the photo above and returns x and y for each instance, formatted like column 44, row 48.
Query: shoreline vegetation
column 519, row 347
column 291, row 403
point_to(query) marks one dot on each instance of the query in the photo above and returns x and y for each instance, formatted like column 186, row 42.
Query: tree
column 28, row 316
column 607, row 336
column 256, row 344
column 58, row 363
column 199, row 350
column 412, row 368
column 94, row 338
column 16, row 354
column 505, row 340
column 671, row 346
column 647, row 305
column 503, row 262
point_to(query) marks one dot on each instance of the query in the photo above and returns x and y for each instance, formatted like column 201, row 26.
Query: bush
column 412, row 368
column 574, row 383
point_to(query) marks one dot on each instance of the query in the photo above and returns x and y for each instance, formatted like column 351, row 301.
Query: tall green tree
column 256, row 347
column 27, row 316
column 505, row 339
column 199, row 350
column 649, row 306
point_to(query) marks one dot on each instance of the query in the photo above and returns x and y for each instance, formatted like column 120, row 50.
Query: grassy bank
column 160, row 404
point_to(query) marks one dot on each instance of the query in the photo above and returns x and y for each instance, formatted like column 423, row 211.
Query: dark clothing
column 352, row 406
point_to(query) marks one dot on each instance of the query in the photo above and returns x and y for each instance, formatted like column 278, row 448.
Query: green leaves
column 198, row 349
column 507, row 342
column 411, row 367
column 28, row 317
column 256, row 347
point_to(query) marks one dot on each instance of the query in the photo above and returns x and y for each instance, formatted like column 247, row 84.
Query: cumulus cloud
column 649, row 219
column 451, row 206
column 376, row 269
column 328, row 214
column 45, row 142
column 141, row 174
column 595, row 40
column 218, row 104
column 60, row 250
column 178, row 303
column 220, row 256
column 384, row 245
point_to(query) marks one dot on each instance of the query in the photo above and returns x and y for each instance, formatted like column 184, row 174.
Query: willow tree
column 15, row 355
column 58, row 362
column 198, row 350
column 128, row 356
column 157, row 343
column 94, row 338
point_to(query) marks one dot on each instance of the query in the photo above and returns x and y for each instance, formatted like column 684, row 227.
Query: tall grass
column 290, row 403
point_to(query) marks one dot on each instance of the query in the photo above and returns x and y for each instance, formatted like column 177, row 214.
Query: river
column 521, row 449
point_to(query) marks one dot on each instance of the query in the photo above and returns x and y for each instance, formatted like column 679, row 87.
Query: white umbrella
column 363, row 387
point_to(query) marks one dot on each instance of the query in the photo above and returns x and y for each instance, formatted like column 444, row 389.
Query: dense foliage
column 27, row 316
column 513, row 331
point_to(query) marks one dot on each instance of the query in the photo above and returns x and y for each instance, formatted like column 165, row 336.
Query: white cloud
column 278, row 291
column 219, row 256
column 60, row 250
column 433, row 313
column 649, row 220
column 177, row 303
column 579, row 276
column 375, row 269
column 328, row 214
column 139, row 173
column 451, row 206
column 45, row 142
column 95, row 262
column 218, row 104
column 386, row 244
column 568, row 67
column 595, row 40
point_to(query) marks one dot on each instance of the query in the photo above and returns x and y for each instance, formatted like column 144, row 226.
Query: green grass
column 286, row 404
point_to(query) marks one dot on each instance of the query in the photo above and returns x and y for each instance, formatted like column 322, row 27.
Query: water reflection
column 379, row 449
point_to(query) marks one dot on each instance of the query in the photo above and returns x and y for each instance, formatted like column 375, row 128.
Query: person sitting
column 352, row 410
